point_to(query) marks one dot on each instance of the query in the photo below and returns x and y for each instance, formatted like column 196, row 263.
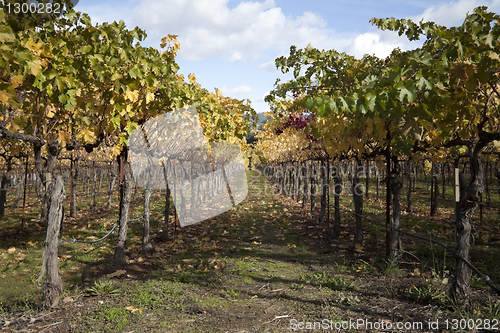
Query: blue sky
column 232, row 44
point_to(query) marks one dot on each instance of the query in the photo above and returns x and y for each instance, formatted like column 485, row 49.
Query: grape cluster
column 299, row 121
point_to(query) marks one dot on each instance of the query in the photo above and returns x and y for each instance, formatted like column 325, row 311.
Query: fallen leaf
column 11, row 250
column 132, row 309
column 358, row 248
column 117, row 273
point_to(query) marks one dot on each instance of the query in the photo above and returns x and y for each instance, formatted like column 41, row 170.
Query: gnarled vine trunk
column 125, row 197
column 395, row 237
column 357, row 197
column 53, row 286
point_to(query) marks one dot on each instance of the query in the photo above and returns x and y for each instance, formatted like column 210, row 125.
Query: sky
column 232, row 44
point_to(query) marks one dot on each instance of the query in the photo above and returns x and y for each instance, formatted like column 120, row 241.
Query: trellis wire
column 108, row 234
column 483, row 277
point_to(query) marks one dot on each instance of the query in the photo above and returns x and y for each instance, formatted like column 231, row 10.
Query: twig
column 54, row 324
column 263, row 286
column 277, row 317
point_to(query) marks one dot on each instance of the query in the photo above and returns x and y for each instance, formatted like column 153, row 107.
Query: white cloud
column 380, row 43
column 209, row 29
column 237, row 92
column 264, row 96
column 453, row 13
column 269, row 66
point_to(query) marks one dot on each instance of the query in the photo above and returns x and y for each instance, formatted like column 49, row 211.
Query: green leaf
column 407, row 94
column 113, row 61
column 131, row 127
column 85, row 49
column 322, row 110
column 134, row 72
column 39, row 80
column 115, row 121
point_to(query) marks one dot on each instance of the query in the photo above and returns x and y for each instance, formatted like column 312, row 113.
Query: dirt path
column 265, row 266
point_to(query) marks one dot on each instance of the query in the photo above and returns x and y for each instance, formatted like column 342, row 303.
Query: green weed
column 102, row 288
column 427, row 293
column 324, row 280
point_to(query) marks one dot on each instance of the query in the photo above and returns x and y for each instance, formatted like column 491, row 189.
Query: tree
column 457, row 71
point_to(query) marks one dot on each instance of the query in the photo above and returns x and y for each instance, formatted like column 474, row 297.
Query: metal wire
column 483, row 277
column 107, row 235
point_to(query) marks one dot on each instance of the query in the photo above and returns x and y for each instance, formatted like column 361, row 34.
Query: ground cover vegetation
column 369, row 129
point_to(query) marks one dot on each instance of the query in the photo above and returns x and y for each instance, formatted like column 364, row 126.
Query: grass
column 102, row 288
column 260, row 260
column 323, row 279
column 113, row 318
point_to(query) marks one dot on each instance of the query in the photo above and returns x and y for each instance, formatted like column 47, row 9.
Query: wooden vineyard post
column 323, row 183
column 53, row 286
column 147, row 247
column 313, row 182
column 125, row 183
column 93, row 185
column 497, row 174
column 357, row 195
column 72, row 208
column 24, row 192
column 433, row 211
column 337, row 190
column 328, row 193
column 305, row 186
column 388, row 205
column 367, row 179
column 167, row 204
column 456, row 193
column 111, row 183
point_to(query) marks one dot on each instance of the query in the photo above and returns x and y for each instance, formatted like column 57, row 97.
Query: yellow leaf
column 116, row 150
column 129, row 110
column 132, row 309
column 218, row 92
column 16, row 80
column 150, row 97
column 63, row 138
column 86, row 134
column 51, row 110
column 11, row 250
column 192, row 78
column 35, row 67
column 4, row 97
column 132, row 96
column 358, row 247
